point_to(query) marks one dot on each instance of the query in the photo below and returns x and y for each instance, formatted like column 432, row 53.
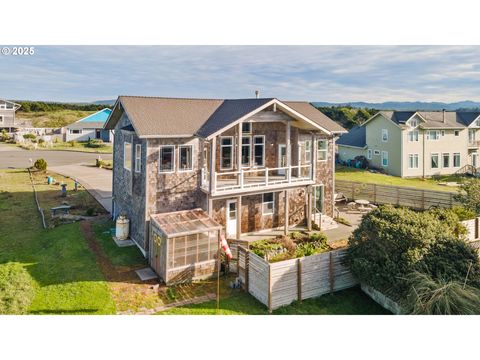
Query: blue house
column 90, row 127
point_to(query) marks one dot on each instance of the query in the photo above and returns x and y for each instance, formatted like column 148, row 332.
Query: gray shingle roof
column 434, row 119
column 86, row 125
column 355, row 137
column 157, row 116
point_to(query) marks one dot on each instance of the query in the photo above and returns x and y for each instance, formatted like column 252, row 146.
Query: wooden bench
column 64, row 209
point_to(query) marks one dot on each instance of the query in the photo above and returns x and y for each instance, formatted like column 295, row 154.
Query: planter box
column 382, row 300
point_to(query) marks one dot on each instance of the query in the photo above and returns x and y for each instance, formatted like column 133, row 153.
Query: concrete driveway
column 76, row 165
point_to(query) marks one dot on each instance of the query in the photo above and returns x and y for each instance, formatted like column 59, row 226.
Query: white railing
column 257, row 178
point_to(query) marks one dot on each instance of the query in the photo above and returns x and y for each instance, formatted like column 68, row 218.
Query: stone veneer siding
column 325, row 174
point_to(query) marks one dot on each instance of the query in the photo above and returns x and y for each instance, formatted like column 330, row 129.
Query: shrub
column 90, row 211
column 265, row 248
column 391, row 243
column 469, row 195
column 41, row 141
column 73, row 143
column 429, row 296
column 40, row 164
column 95, row 143
column 16, row 289
column 29, row 136
column 4, row 135
column 463, row 213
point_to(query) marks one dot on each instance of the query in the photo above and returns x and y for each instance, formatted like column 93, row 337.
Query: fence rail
column 278, row 284
column 395, row 195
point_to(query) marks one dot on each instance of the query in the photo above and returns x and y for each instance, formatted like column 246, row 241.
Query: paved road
column 76, row 165
column 15, row 157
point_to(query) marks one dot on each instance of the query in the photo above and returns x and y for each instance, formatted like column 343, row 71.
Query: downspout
column 423, row 147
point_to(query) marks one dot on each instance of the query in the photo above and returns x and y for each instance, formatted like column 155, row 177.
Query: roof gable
column 356, row 137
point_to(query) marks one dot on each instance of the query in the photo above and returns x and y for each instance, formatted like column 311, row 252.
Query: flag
column 225, row 247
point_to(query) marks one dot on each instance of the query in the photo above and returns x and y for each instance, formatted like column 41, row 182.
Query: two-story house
column 415, row 143
column 7, row 115
column 183, row 168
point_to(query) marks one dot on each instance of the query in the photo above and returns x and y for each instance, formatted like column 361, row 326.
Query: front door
column 317, row 206
column 475, row 159
column 98, row 134
column 282, row 158
column 231, row 218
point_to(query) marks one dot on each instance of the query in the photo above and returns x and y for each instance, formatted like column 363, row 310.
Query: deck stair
column 467, row 170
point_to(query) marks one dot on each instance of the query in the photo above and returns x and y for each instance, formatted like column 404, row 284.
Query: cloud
column 315, row 73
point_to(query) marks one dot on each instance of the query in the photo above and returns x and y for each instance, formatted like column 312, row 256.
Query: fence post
column 270, row 288
column 330, row 272
column 247, row 270
column 299, row 279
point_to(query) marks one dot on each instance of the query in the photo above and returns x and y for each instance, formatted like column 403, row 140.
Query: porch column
column 289, row 152
column 285, row 230
column 239, row 154
column 213, row 153
column 239, row 217
column 314, row 158
column 309, row 207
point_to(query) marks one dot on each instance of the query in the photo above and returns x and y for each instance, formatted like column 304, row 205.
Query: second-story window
column 322, row 150
column 308, row 151
column 138, row 158
column 259, row 150
column 127, row 156
column 246, row 150
column 185, row 157
column 167, row 158
column 413, row 136
column 226, row 152
column 246, row 128
column 433, row 135
column 384, row 135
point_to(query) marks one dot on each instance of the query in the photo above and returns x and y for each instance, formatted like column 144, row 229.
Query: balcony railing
column 251, row 179
column 474, row 143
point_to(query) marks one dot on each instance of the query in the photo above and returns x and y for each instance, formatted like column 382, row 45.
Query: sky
column 310, row 73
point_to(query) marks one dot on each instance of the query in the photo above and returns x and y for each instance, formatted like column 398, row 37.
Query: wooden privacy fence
column 395, row 195
column 278, row 284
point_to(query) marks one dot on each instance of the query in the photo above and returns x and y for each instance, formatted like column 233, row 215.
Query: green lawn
column 347, row 302
column 75, row 146
column 361, row 175
column 66, row 277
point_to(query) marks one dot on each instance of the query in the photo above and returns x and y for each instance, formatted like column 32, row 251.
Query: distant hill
column 105, row 102
column 405, row 105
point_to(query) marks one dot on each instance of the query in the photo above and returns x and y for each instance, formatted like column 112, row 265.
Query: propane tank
column 121, row 229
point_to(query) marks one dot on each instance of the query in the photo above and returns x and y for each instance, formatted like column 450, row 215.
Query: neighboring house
column 416, row 143
column 90, row 127
column 7, row 115
column 184, row 167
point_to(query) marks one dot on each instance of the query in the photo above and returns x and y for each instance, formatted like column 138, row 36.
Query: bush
column 41, row 141
column 95, row 143
column 40, row 164
column 4, row 135
column 73, row 143
column 392, row 242
column 29, row 136
column 429, row 296
column 16, row 289
column 90, row 211
column 469, row 195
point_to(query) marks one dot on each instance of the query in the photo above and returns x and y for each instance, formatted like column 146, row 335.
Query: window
column 413, row 161
column 443, row 133
column 75, row 131
column 369, row 154
column 434, row 161
column 384, row 135
column 138, row 158
column 246, row 128
column 384, row 158
column 456, row 160
column 433, row 135
column 127, row 156
column 9, row 106
column 322, row 150
column 246, row 150
column 185, row 157
column 376, row 152
column 413, row 123
column 226, row 152
column 308, row 151
column 166, row 162
column 413, row 135
column 446, row 160
column 457, row 132
column 259, row 150
column 268, row 204
column 477, row 123
column 471, row 136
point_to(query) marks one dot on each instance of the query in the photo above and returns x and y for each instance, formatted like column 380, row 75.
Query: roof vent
column 257, row 94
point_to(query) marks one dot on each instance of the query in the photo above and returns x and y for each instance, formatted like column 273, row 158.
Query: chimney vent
column 257, row 94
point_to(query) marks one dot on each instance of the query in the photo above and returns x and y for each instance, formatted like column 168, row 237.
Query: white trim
column 386, row 118
column 138, row 158
column 250, row 137
column 385, row 132
column 322, row 150
column 472, row 124
column 414, row 138
column 268, row 202
column 124, row 155
column 413, row 155
column 263, row 150
column 173, row 159
column 180, row 157
column 231, row 153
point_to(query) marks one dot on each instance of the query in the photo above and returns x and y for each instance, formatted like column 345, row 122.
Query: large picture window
column 167, row 158
column 226, row 152
column 259, row 150
column 246, row 150
column 127, row 156
column 413, row 161
column 268, row 204
column 322, row 150
column 446, row 160
column 186, row 157
column 456, row 160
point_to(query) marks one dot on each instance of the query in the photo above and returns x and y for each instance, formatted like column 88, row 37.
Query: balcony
column 473, row 143
column 247, row 180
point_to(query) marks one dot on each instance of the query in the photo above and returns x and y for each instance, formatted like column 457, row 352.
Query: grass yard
column 347, row 302
column 52, row 119
column 65, row 275
column 361, row 175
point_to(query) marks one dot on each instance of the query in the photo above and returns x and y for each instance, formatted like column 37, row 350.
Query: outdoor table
column 362, row 202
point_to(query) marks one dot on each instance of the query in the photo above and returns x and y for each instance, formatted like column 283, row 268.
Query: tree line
column 347, row 116
column 41, row 106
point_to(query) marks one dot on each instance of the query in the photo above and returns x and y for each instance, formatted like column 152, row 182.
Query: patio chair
column 351, row 206
column 340, row 197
